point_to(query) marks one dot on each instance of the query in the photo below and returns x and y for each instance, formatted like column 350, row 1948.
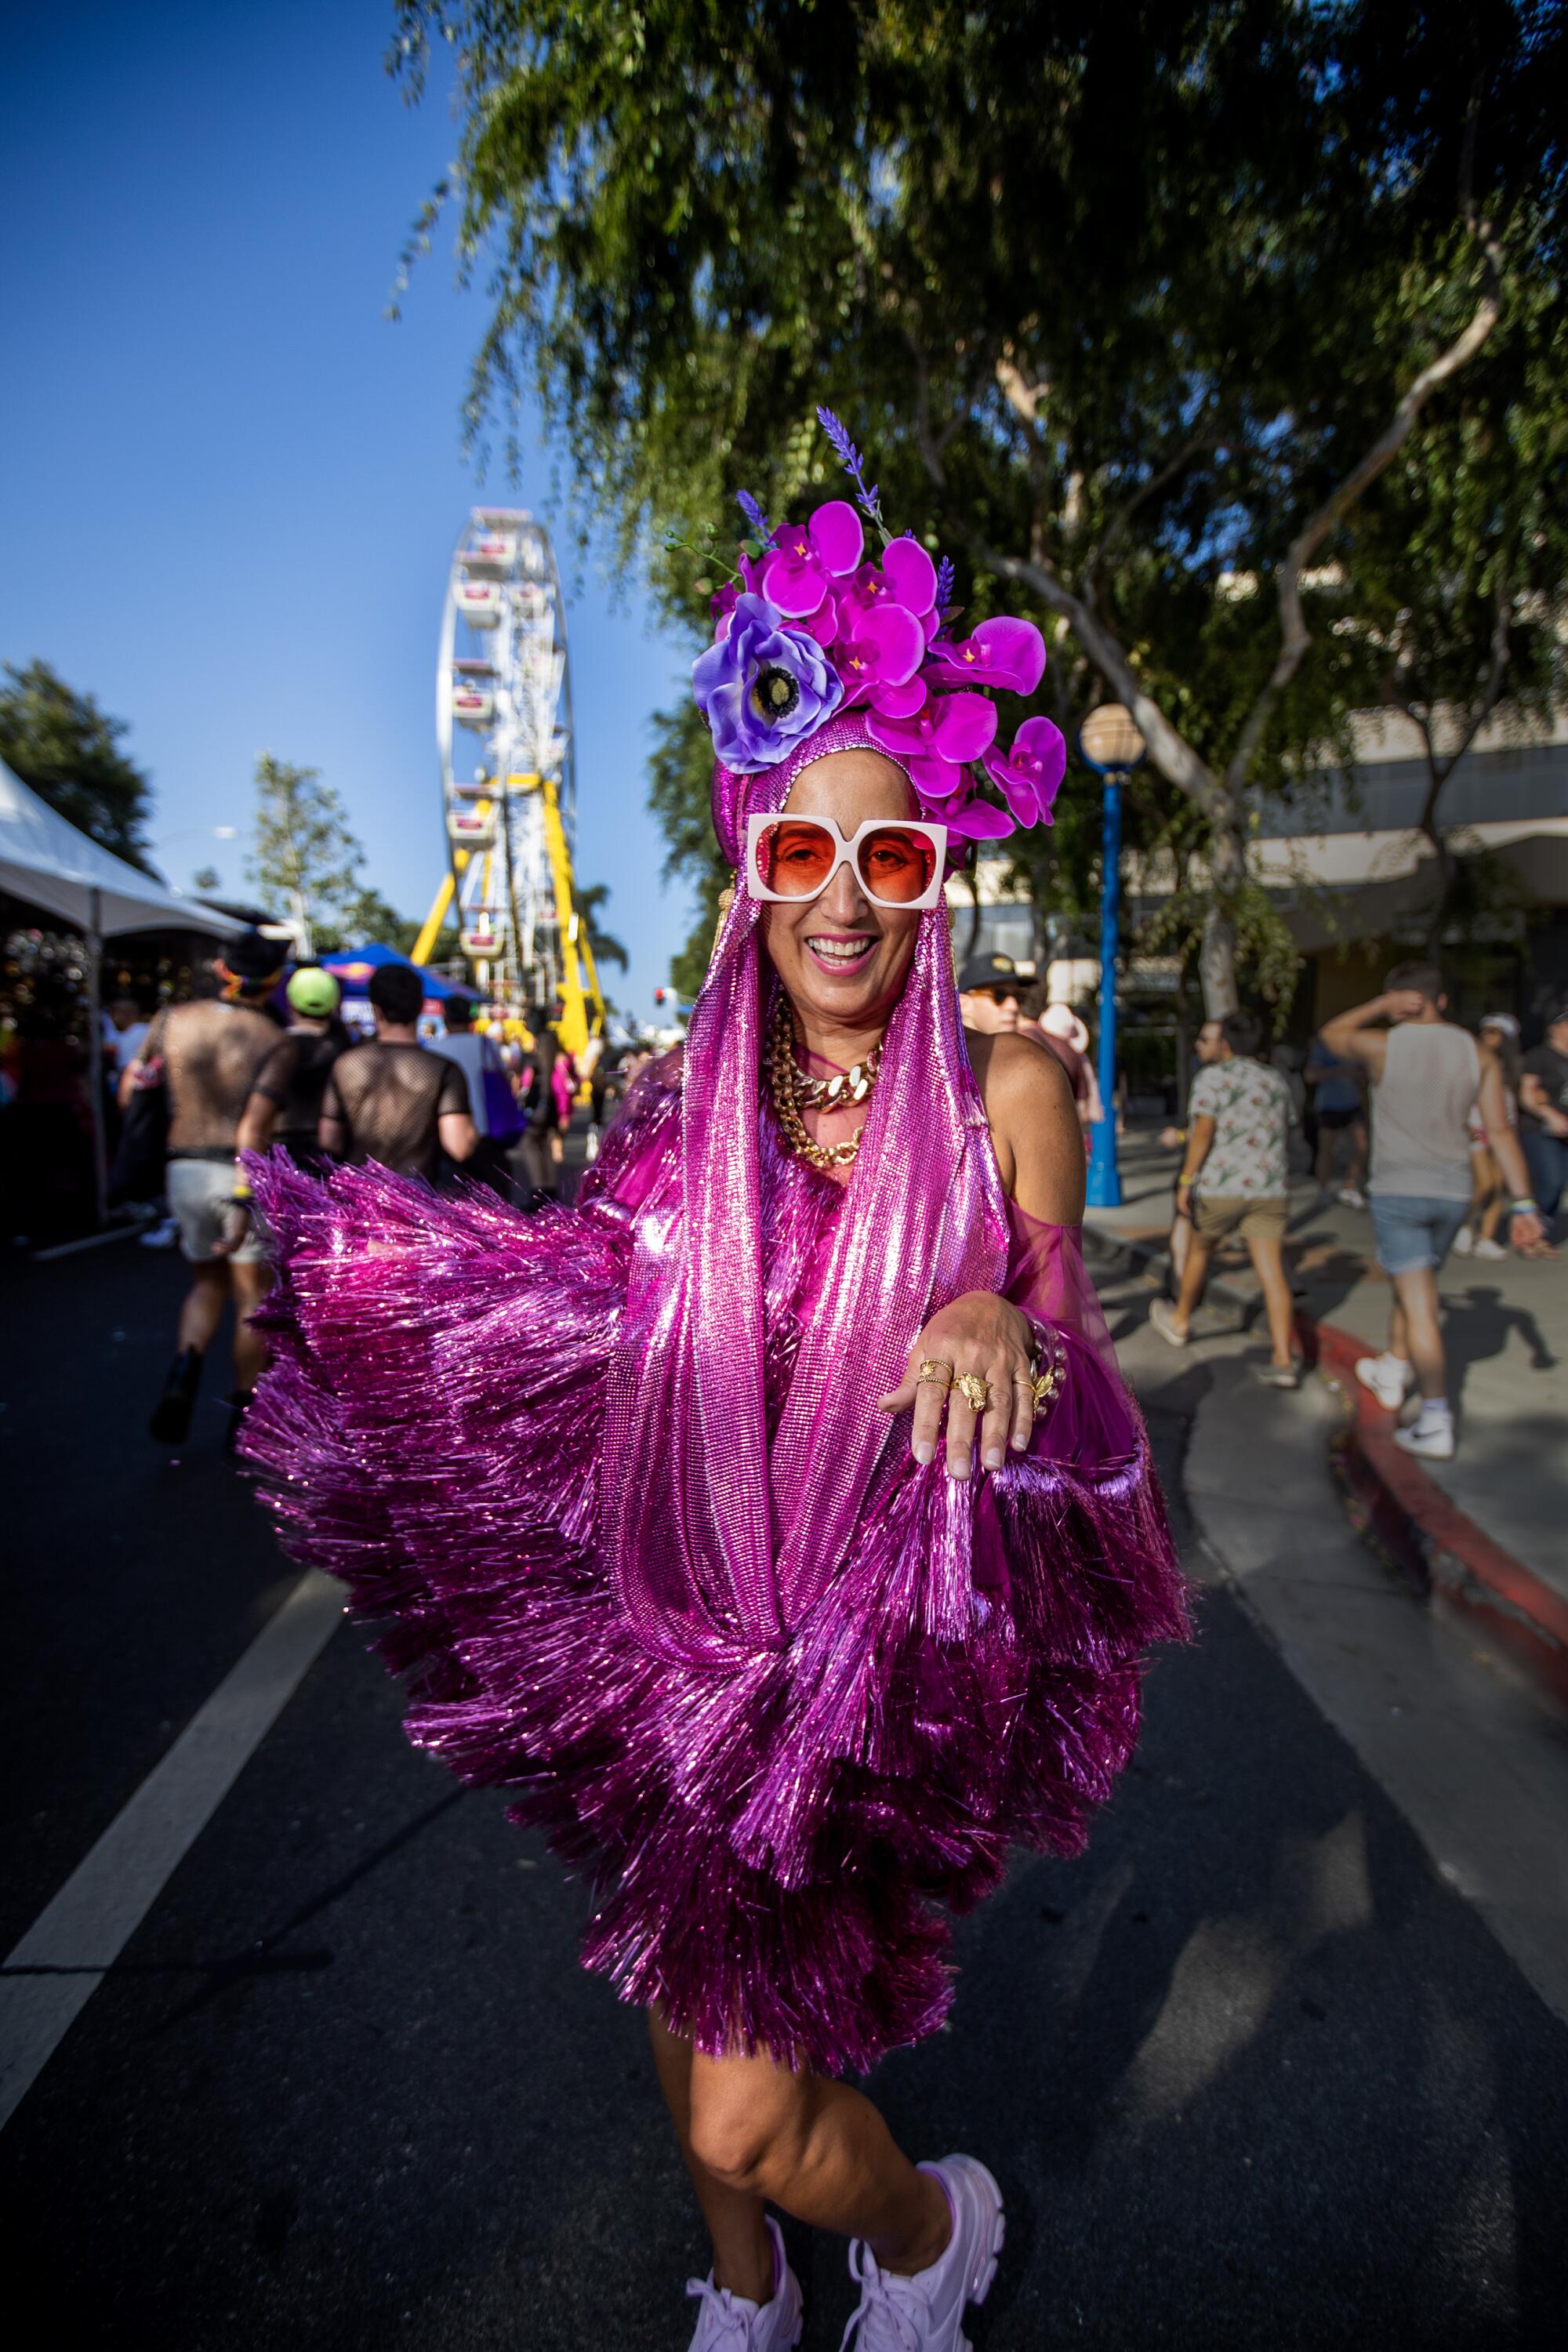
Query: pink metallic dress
column 777, row 1793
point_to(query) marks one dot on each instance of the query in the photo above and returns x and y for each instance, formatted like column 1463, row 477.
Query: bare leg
column 819, row 2149
column 1324, row 1157
column 250, row 1285
column 1491, row 1202
column 743, row 2251
column 1355, row 1174
column 202, row 1310
column 1422, row 1333
column 1268, row 1256
column 1194, row 1274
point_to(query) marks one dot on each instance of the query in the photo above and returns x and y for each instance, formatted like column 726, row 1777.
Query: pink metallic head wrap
column 721, row 1543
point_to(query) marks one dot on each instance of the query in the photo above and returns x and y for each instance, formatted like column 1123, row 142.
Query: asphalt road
column 1249, row 2074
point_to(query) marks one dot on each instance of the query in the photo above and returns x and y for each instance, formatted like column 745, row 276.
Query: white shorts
column 199, row 1192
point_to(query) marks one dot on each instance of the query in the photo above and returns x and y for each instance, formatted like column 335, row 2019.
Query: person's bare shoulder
column 1013, row 1074
column 1034, row 1124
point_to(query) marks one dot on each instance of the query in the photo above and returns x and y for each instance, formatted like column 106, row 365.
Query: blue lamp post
column 1109, row 742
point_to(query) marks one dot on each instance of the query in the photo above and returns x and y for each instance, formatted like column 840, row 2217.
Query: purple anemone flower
column 879, row 655
column 1030, row 772
column 763, row 687
column 1002, row 652
column 808, row 558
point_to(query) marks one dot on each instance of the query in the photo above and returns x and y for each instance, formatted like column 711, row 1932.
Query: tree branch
column 1172, row 753
column 1294, row 634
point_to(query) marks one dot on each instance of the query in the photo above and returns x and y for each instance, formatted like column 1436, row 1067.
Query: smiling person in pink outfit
column 773, row 1523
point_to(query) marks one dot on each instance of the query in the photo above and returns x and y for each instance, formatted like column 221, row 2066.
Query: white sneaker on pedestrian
column 1163, row 1316
column 1491, row 1250
column 925, row 2312
column 1388, row 1376
column 1430, row 1441
column 1351, row 1199
column 1463, row 1242
column 730, row 2323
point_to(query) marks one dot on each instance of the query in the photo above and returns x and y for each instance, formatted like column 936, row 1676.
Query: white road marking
column 104, row 1901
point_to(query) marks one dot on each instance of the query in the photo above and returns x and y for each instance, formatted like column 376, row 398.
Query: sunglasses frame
column 758, row 824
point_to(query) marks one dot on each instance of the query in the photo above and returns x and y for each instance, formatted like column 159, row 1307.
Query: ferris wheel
column 509, row 789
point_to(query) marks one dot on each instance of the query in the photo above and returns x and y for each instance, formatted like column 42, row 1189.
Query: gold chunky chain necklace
column 791, row 1087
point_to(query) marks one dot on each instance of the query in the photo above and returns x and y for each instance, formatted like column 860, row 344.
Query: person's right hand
column 235, row 1232
column 1403, row 1004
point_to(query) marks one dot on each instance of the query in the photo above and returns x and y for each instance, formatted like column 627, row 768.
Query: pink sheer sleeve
column 1092, row 1417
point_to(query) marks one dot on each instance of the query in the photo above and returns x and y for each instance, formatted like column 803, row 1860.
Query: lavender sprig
column 852, row 461
column 755, row 517
column 944, row 578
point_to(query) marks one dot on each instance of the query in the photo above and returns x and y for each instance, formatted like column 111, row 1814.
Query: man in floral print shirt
column 1235, row 1179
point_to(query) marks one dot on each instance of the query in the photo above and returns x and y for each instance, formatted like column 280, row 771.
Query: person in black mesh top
column 284, row 1109
column 391, row 1101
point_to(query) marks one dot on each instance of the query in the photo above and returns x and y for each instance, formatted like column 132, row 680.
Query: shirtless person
column 211, row 1050
column 393, row 1102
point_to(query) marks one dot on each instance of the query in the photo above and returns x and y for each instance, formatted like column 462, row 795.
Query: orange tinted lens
column 896, row 864
column 795, row 858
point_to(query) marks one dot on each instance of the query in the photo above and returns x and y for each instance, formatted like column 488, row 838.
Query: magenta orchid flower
column 1002, row 652
column 977, row 820
column 935, row 744
column 878, row 656
column 911, row 575
column 808, row 558
column 1029, row 774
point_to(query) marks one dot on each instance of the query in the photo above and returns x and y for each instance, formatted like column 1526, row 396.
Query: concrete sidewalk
column 1507, row 1329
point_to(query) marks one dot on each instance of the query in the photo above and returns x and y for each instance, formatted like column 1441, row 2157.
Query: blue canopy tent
column 351, row 969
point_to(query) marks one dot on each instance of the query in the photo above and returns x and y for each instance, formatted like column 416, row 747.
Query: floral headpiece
column 808, row 628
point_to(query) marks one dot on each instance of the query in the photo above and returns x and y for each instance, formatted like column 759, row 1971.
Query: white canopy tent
column 48, row 864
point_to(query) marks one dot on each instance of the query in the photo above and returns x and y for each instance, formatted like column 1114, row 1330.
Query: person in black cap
column 209, row 1053
column 990, row 993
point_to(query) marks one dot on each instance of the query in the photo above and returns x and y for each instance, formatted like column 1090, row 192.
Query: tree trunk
column 1216, row 955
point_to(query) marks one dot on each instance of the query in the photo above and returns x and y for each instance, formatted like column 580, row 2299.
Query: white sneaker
column 1431, row 1441
column 730, row 2323
column 1463, row 1242
column 925, row 2312
column 1388, row 1376
column 1351, row 1199
column 1491, row 1250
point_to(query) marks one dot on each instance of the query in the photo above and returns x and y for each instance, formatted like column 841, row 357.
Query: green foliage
column 679, row 777
column 1117, row 298
column 307, row 863
column 591, row 902
column 62, row 745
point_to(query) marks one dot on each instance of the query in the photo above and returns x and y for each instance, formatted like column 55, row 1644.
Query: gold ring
column 934, row 1372
column 974, row 1389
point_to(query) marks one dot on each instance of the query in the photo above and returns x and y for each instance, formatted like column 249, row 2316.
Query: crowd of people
column 264, row 1060
column 1464, row 1139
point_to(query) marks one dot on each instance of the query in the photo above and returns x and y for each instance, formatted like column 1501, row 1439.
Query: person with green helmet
column 285, row 1101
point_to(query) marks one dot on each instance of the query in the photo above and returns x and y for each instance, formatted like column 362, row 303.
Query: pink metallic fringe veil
column 613, row 1484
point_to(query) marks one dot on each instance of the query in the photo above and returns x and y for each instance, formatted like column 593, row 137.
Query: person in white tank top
column 1427, row 1078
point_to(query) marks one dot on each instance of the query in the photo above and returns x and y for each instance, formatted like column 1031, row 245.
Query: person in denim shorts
column 1427, row 1075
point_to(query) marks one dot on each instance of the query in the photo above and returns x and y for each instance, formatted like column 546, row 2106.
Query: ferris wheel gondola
column 509, row 791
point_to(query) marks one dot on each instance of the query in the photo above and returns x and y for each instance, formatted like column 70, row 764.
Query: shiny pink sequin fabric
column 613, row 1482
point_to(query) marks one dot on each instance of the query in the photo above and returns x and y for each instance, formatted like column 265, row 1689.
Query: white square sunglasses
column 898, row 862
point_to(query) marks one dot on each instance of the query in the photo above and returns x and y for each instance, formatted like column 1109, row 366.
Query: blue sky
column 231, row 487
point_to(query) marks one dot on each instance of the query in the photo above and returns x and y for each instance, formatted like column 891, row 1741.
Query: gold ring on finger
column 974, row 1389
column 934, row 1372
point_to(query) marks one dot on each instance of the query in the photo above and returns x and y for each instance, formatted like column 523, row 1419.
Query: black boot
column 171, row 1421
column 240, row 1404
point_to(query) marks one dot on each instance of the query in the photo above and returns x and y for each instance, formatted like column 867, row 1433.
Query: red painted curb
column 1436, row 1542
